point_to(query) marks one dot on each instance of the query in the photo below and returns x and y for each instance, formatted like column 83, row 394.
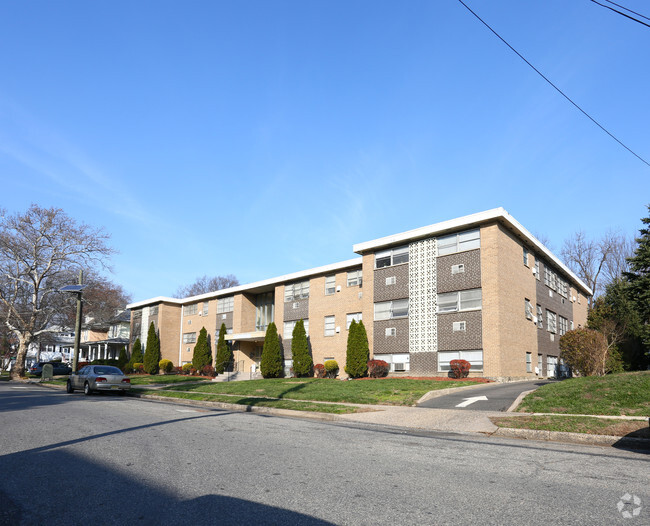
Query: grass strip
column 624, row 394
column 253, row 402
column 576, row 424
column 164, row 379
column 392, row 391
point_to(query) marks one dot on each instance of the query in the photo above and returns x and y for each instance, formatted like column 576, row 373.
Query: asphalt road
column 499, row 396
column 100, row 460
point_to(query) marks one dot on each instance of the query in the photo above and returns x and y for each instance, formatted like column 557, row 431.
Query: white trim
column 257, row 284
column 468, row 221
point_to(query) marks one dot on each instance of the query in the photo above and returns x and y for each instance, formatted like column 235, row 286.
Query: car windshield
column 108, row 370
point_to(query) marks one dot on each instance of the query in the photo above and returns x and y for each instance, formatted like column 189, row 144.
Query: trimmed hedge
column 378, row 368
column 331, row 368
column 460, row 368
column 166, row 366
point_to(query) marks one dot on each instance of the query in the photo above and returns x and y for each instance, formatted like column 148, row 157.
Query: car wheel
column 68, row 387
column 87, row 390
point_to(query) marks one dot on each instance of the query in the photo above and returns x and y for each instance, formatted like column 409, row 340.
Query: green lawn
column 616, row 394
column 144, row 379
column 253, row 402
column 577, row 424
column 392, row 391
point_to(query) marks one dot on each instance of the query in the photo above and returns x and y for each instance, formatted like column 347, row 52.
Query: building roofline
column 469, row 221
column 251, row 286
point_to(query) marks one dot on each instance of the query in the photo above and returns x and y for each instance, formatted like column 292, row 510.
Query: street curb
column 574, row 438
column 272, row 411
column 516, row 403
column 442, row 392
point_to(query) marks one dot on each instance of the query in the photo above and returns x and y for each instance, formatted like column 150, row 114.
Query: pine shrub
column 302, row 360
column 356, row 358
column 136, row 355
column 202, row 352
column 152, row 352
column 122, row 360
column 271, row 365
column 224, row 353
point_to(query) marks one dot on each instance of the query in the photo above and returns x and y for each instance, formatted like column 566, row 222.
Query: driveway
column 491, row 397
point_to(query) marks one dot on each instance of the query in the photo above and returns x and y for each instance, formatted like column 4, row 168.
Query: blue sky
column 260, row 138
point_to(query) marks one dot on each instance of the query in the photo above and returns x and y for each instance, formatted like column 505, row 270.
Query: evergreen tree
column 202, row 353
column 356, row 359
column 271, row 365
column 122, row 360
column 302, row 360
column 638, row 279
column 136, row 355
column 224, row 353
column 152, row 352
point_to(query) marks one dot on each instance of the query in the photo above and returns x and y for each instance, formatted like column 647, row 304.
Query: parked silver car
column 98, row 378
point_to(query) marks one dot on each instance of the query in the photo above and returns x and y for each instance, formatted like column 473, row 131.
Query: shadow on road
column 61, row 487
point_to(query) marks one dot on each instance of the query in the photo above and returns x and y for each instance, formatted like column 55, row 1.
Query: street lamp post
column 76, row 289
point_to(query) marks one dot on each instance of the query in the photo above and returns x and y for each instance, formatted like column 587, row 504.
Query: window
column 459, row 242
column 205, row 308
column 563, row 325
column 526, row 262
column 393, row 256
column 263, row 311
column 475, row 358
column 330, row 285
column 391, row 280
column 459, row 301
column 188, row 310
column 540, row 317
column 551, row 322
column 330, row 325
column 529, row 309
column 225, row 304
column 356, row 316
column 537, row 270
column 289, row 326
column 296, row 291
column 355, row 278
column 189, row 337
column 397, row 362
column 459, row 326
column 153, row 310
column 539, row 364
column 529, row 362
column 388, row 310
column 457, row 269
column 391, row 331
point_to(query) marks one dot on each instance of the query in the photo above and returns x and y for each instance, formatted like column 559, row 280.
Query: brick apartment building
column 479, row 287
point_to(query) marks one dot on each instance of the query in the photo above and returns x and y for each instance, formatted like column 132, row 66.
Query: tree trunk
column 18, row 371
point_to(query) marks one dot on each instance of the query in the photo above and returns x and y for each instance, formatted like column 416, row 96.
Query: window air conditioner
column 534, row 271
column 399, row 367
column 535, row 319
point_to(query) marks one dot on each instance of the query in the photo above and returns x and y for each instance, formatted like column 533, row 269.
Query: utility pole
column 77, row 332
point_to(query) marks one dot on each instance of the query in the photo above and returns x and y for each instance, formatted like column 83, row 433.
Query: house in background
column 479, row 288
column 103, row 341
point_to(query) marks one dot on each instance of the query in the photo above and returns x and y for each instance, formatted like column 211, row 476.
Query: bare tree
column 102, row 299
column 205, row 284
column 596, row 262
column 617, row 263
column 39, row 250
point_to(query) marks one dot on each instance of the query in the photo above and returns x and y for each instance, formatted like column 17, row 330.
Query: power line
column 554, row 86
column 623, row 14
column 629, row 10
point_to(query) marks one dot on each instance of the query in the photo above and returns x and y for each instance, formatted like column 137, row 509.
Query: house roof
column 255, row 287
column 466, row 222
